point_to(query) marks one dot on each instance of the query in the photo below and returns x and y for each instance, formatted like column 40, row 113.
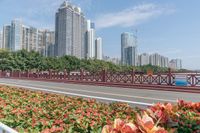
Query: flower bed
column 30, row 111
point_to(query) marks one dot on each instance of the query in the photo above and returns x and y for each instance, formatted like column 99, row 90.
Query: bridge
column 129, row 79
column 136, row 90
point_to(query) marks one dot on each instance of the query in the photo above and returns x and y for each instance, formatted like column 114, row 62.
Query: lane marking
column 81, row 95
column 98, row 92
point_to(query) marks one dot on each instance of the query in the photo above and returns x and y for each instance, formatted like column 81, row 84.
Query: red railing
column 106, row 77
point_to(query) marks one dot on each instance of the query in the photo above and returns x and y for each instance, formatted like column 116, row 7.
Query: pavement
column 133, row 96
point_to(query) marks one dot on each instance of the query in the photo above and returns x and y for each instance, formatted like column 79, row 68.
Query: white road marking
column 111, row 94
column 80, row 95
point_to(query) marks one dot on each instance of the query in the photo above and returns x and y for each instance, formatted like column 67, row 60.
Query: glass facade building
column 128, row 49
column 6, row 37
column 16, row 35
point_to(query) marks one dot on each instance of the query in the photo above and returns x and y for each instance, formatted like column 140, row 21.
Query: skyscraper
column 128, row 49
column 6, row 37
column 131, row 56
column 16, row 35
column 98, row 49
column 90, row 40
column 70, row 31
column 49, row 41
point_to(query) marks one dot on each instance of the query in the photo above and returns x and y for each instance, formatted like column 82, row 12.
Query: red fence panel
column 130, row 77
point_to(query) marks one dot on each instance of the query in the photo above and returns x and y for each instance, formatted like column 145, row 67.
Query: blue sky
column 169, row 27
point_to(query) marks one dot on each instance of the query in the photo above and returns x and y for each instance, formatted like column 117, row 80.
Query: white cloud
column 132, row 16
column 42, row 14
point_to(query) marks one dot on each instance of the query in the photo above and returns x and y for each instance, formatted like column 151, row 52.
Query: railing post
column 11, row 73
column 193, row 80
column 26, row 73
column 19, row 74
column 141, row 78
column 65, row 74
column 50, row 74
column 68, row 75
column 133, row 76
column 104, row 74
column 81, row 74
column 170, row 76
column 159, row 78
column 37, row 74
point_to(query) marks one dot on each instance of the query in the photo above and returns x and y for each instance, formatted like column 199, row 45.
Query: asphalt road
column 135, row 97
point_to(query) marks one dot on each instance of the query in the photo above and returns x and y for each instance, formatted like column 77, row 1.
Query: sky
column 168, row 27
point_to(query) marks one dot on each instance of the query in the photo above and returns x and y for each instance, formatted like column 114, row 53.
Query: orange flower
column 118, row 124
column 107, row 129
column 129, row 128
column 147, row 125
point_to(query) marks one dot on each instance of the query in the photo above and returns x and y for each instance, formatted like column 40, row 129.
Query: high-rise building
column 128, row 49
column 158, row 60
column 6, row 37
column 49, row 41
column 16, row 35
column 143, row 59
column 155, row 59
column 32, row 39
column 175, row 64
column 131, row 56
column 98, row 49
column 90, row 40
column 70, row 31
column 164, row 62
column 1, row 39
column 25, row 37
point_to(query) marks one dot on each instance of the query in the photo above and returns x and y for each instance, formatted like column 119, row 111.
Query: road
column 135, row 97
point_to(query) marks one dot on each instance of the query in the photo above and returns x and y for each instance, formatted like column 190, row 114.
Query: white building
column 90, row 41
column 18, row 36
column 98, row 49
column 143, row 59
column 158, row 60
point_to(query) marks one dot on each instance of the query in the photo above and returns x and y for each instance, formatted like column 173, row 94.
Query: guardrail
column 105, row 77
column 6, row 129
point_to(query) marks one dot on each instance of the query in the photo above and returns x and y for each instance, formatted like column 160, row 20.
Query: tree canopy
column 23, row 61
